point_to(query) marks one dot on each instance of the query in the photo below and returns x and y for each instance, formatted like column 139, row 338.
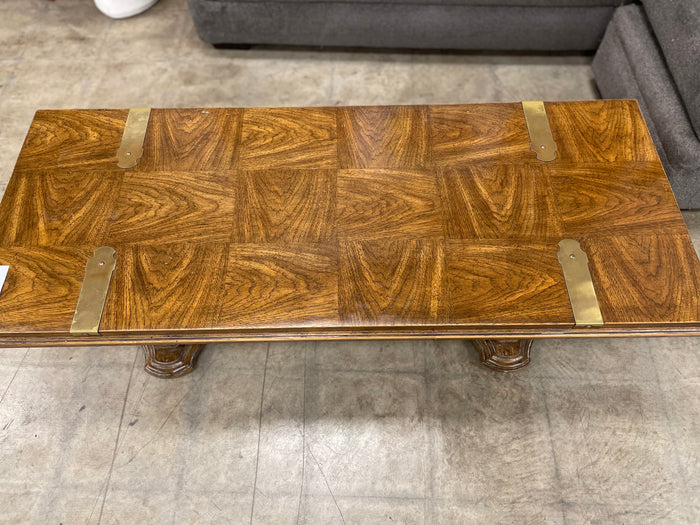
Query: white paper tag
column 3, row 274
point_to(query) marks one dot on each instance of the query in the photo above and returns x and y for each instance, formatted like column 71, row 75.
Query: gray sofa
column 651, row 52
column 647, row 51
column 534, row 25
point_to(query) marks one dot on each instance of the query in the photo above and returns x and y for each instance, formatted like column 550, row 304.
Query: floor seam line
column 557, row 473
column 669, row 432
column 303, row 437
column 260, row 419
column 116, row 441
column 431, row 451
column 24, row 357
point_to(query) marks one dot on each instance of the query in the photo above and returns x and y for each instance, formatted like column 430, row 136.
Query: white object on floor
column 124, row 8
column 3, row 274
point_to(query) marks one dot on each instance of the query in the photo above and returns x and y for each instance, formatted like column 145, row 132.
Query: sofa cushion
column 676, row 25
column 393, row 25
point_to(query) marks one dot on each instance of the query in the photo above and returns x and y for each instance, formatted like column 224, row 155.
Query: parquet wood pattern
column 425, row 221
column 392, row 282
column 297, row 281
column 464, row 135
column 376, row 204
column 166, row 287
column 507, row 283
column 284, row 205
column 488, row 201
column 191, row 140
column 645, row 275
column 383, row 137
column 73, row 139
column 627, row 197
column 38, row 273
column 170, row 207
column 52, row 207
column 288, row 138
column 600, row 130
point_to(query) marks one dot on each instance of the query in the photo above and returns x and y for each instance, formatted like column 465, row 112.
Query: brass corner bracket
column 541, row 140
column 579, row 284
column 131, row 147
column 91, row 301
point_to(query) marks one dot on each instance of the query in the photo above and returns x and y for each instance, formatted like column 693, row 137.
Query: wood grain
column 638, row 277
column 376, row 204
column 462, row 135
column 165, row 287
column 247, row 224
column 193, row 139
column 600, row 131
column 333, row 333
column 504, row 201
column 285, row 205
column 276, row 286
column 383, row 137
column 170, row 361
column 396, row 282
column 506, row 283
column 58, row 207
column 170, row 207
column 625, row 198
column 73, row 139
column 504, row 355
column 42, row 288
column 288, row 138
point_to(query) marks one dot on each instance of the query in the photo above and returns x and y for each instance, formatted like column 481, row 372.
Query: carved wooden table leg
column 168, row 361
column 504, row 355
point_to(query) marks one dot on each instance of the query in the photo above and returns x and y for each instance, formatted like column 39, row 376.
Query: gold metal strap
column 91, row 302
column 579, row 285
column 541, row 140
column 131, row 147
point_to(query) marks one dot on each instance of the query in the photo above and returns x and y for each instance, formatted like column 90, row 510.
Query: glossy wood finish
column 170, row 361
column 367, row 222
column 504, row 355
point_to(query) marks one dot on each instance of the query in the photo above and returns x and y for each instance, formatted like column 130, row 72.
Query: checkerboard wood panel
column 373, row 221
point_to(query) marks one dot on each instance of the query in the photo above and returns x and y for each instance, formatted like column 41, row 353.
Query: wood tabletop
column 396, row 221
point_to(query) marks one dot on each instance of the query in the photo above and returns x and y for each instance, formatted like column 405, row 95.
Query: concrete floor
column 594, row 431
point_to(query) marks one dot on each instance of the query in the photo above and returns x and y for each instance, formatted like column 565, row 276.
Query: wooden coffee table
column 351, row 222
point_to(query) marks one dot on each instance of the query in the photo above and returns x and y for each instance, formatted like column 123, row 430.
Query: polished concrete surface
column 594, row 431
